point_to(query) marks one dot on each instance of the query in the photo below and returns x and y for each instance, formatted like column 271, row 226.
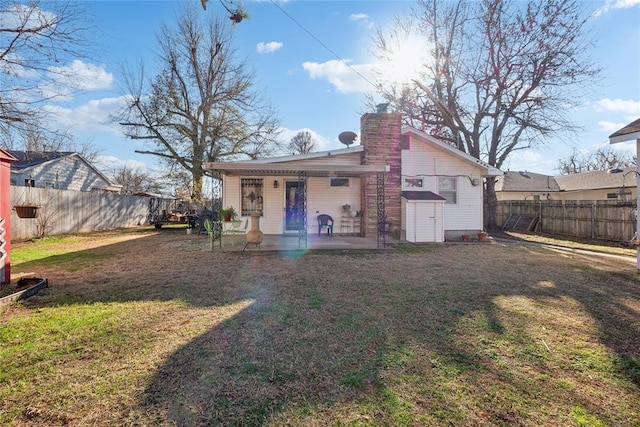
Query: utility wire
column 273, row 2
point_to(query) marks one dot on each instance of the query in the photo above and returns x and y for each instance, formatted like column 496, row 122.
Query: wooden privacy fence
column 595, row 219
column 67, row 211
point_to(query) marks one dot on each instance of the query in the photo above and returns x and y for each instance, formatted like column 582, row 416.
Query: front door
column 293, row 205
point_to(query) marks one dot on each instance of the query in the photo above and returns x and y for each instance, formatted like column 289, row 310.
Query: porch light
column 276, row 184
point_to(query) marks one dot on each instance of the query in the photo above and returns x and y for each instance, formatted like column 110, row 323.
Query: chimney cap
column 382, row 108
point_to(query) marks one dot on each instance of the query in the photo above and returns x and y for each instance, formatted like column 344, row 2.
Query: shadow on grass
column 456, row 335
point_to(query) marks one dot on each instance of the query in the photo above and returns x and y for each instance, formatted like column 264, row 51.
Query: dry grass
column 152, row 328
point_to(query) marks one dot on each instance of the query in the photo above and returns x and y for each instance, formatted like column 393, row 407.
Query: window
column 29, row 183
column 49, row 184
column 536, row 197
column 252, row 195
column 339, row 182
column 447, row 188
column 612, row 195
column 413, row 182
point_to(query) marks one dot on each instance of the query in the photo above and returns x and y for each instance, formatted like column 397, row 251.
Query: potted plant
column 27, row 210
column 228, row 214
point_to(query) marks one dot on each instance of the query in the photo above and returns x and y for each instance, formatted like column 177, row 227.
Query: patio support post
column 216, row 192
column 382, row 225
column 301, row 203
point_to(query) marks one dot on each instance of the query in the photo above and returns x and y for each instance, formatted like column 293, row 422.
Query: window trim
column 413, row 183
column 337, row 180
column 245, row 209
column 447, row 193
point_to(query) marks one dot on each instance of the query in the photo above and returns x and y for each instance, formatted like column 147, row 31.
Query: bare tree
column 203, row 105
column 302, row 143
column 500, row 78
column 601, row 160
column 134, row 180
column 33, row 44
column 37, row 139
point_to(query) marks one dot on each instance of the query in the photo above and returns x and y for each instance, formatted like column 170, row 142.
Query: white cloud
column 616, row 4
column 286, row 135
column 268, row 47
column 95, row 115
column 624, row 106
column 610, row 127
column 80, row 75
column 110, row 164
column 358, row 16
column 63, row 82
column 345, row 78
column 362, row 19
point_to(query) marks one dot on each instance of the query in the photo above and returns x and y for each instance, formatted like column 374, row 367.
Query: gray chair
column 325, row 220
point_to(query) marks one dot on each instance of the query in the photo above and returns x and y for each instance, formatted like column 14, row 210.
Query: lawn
column 150, row 327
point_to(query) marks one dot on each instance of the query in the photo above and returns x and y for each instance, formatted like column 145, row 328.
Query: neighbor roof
column 526, row 181
column 594, row 180
column 28, row 159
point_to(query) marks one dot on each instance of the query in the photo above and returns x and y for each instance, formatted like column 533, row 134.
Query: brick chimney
column 380, row 137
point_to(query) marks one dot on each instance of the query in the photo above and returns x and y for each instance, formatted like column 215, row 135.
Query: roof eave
column 614, row 139
column 280, row 169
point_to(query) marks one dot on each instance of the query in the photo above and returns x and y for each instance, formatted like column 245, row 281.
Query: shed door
column 428, row 222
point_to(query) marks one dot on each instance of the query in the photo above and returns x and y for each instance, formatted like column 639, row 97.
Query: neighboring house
column 526, row 186
column 596, row 185
column 60, row 170
column 400, row 181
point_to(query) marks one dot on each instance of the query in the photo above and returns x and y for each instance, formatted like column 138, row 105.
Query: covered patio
column 304, row 239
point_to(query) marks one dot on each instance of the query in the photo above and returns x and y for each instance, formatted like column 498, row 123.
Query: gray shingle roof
column 421, row 195
column 534, row 182
column 32, row 158
column 596, row 179
column 526, row 181
column 630, row 128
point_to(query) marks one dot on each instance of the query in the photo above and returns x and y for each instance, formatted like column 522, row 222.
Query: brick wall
column 380, row 137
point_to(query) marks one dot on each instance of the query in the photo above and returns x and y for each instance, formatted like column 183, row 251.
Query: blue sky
column 311, row 89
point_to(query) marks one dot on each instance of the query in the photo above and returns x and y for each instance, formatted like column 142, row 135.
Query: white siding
column 428, row 162
column 324, row 199
column 321, row 199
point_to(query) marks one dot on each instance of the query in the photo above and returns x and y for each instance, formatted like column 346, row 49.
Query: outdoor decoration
column 254, row 235
column 228, row 214
column 27, row 210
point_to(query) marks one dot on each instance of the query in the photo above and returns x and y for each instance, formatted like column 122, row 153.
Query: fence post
column 593, row 219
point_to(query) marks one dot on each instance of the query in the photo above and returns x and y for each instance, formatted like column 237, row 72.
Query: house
column 399, row 181
column 525, row 185
column 595, row 185
column 60, row 170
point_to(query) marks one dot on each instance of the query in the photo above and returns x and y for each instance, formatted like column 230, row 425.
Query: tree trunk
column 490, row 204
column 196, row 191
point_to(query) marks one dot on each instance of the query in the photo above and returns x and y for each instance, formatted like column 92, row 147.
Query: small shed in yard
column 423, row 216
column 5, row 216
